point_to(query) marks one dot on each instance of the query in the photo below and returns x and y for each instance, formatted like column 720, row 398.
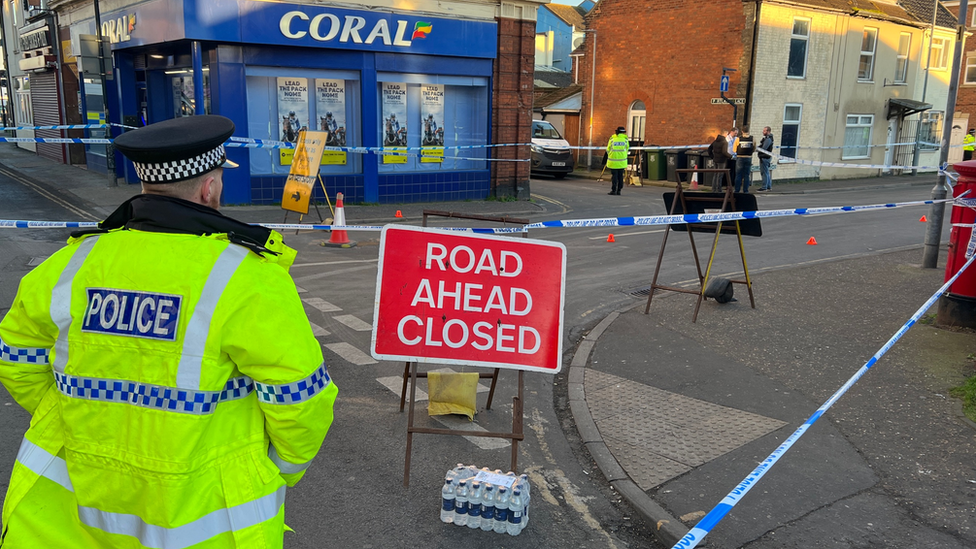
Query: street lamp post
column 589, row 150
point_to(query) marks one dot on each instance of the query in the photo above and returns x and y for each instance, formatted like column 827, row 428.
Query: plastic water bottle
column 526, row 488
column 488, row 508
column 447, row 501
column 514, row 525
column 461, row 504
column 474, row 505
column 501, row 511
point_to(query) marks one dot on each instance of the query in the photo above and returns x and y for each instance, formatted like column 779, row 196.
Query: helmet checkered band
column 179, row 170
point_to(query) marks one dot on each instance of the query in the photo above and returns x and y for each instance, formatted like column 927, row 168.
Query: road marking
column 354, row 323
column 321, row 304
column 300, row 289
column 319, row 331
column 350, row 354
column 565, row 207
column 460, row 423
column 323, row 263
column 66, row 205
column 618, row 235
column 395, row 384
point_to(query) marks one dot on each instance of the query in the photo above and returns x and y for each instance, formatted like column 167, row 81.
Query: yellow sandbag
column 452, row 393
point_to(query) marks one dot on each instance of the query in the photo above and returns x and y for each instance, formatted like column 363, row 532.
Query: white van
column 550, row 152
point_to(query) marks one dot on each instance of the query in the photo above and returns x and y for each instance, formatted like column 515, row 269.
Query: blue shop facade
column 370, row 78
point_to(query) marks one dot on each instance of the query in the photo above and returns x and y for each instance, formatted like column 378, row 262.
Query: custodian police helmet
column 177, row 149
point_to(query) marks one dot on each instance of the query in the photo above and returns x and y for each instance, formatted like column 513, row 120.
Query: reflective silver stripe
column 148, row 395
column 61, row 301
column 23, row 355
column 215, row 523
column 44, row 463
column 284, row 466
column 198, row 328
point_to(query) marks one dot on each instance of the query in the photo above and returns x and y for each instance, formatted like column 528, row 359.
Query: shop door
column 46, row 102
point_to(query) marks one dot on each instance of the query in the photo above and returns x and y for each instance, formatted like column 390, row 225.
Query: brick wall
column 668, row 54
column 513, row 76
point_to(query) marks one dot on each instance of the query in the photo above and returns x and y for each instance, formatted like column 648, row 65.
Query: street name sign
column 736, row 100
column 469, row 299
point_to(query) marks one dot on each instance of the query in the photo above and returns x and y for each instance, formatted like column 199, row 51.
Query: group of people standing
column 733, row 151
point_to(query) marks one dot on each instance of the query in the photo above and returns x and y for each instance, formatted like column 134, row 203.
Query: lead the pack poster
column 394, row 124
column 330, row 107
column 292, row 113
column 432, row 122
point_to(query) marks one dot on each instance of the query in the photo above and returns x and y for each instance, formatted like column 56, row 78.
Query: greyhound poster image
column 330, row 109
column 432, row 122
column 292, row 113
column 394, row 124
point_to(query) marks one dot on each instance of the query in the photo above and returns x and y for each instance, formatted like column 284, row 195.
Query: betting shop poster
column 330, row 107
column 292, row 113
column 394, row 123
column 303, row 172
column 432, row 122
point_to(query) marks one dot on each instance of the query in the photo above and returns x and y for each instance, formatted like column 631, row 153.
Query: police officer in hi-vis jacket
column 174, row 383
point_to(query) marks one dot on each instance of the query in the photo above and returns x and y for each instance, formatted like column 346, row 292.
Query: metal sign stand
column 410, row 375
column 727, row 201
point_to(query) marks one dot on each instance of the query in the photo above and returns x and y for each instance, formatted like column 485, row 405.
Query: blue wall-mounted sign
column 315, row 26
column 724, row 85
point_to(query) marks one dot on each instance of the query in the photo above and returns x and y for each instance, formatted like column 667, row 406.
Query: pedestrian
column 733, row 139
column 721, row 156
column 617, row 149
column 743, row 160
column 766, row 144
column 188, row 389
column 968, row 144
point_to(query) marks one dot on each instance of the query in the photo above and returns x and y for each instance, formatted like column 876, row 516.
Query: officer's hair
column 186, row 189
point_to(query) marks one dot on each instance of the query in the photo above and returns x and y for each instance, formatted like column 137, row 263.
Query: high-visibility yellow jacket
column 176, row 389
column 617, row 149
column 969, row 142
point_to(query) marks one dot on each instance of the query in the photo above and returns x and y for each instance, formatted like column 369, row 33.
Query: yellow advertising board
column 400, row 158
column 304, row 171
column 432, row 154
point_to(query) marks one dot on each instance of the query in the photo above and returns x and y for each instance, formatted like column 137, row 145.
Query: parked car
column 550, row 152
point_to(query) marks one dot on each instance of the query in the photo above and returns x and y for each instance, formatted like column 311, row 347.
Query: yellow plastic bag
column 452, row 393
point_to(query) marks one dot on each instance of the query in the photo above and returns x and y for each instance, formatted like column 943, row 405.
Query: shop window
column 869, row 43
column 437, row 112
column 857, row 136
column 281, row 102
column 901, row 65
column 184, row 96
column 791, row 132
column 799, row 41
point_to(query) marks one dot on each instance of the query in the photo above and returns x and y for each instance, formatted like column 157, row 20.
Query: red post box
column 958, row 306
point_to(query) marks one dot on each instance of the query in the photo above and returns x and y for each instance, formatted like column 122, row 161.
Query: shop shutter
column 47, row 112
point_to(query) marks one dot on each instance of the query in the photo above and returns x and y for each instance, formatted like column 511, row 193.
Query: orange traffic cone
column 339, row 238
column 610, row 238
column 398, row 214
column 812, row 241
column 923, row 220
column 694, row 180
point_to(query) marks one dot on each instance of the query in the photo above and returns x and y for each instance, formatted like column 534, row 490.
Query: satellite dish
column 577, row 42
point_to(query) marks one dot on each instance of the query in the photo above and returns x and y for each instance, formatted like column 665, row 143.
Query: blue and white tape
column 101, row 141
column 63, row 127
column 705, row 525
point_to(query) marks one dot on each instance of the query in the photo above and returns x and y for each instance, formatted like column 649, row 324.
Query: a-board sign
column 304, row 171
column 469, row 299
column 698, row 203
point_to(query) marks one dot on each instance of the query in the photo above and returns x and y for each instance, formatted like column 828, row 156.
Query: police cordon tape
column 678, row 219
column 705, row 525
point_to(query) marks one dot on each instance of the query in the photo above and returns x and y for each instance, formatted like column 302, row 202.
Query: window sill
column 788, row 77
column 855, row 157
column 859, row 81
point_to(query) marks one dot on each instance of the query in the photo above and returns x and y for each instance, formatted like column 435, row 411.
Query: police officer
column 175, row 385
column 617, row 149
column 968, row 144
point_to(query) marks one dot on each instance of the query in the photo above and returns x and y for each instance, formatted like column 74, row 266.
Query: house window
column 637, row 117
column 969, row 77
column 791, row 131
column 972, row 22
column 939, row 59
column 930, row 131
column 857, row 136
column 869, row 42
column 901, row 65
column 543, row 48
column 799, row 41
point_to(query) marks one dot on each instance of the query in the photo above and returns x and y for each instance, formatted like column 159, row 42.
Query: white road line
column 617, row 235
column 460, row 423
column 350, row 354
column 395, row 384
column 354, row 323
column 300, row 289
column 321, row 304
column 319, row 331
column 323, row 263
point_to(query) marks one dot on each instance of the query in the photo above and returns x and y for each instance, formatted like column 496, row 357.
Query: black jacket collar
column 163, row 214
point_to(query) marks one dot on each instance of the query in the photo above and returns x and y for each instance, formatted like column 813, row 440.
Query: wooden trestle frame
column 727, row 201
column 410, row 375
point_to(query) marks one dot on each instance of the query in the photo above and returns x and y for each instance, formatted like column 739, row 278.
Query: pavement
column 676, row 413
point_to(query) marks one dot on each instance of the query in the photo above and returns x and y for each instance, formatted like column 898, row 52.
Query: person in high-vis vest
column 617, row 149
column 968, row 145
column 174, row 383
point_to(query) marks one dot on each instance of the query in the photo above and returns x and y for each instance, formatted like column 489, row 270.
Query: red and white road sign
column 461, row 298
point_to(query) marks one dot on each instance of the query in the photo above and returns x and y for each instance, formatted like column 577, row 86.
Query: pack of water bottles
column 481, row 498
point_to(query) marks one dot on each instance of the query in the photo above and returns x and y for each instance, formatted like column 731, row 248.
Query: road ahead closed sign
column 458, row 298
